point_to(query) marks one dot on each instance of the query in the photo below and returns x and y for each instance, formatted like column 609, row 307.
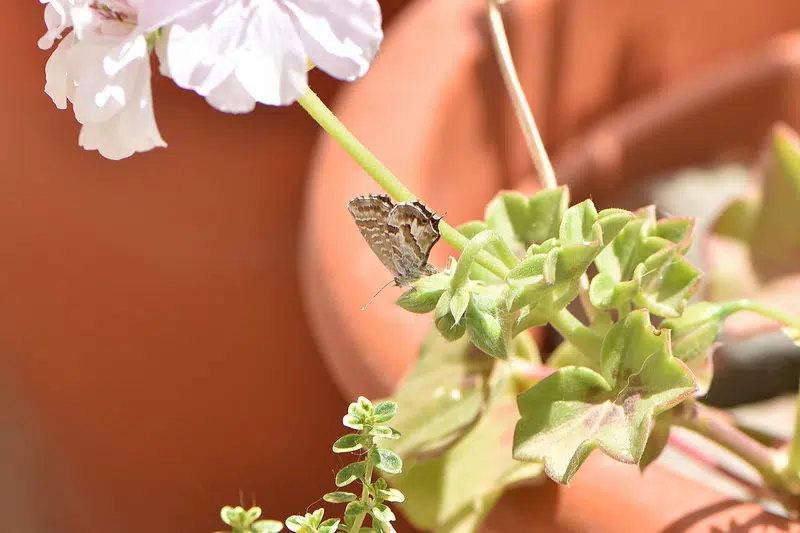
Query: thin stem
column 366, row 159
column 364, row 497
column 792, row 321
column 521, row 108
column 576, row 333
column 715, row 465
column 698, row 418
column 787, row 319
column 382, row 175
column 533, row 140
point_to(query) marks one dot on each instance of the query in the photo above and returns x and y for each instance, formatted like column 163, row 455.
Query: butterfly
column 401, row 235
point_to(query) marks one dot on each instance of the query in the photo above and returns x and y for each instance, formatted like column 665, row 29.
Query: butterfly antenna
column 377, row 293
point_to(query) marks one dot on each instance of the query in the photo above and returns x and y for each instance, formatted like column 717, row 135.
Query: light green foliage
column 369, row 421
column 614, row 375
column 247, row 521
column 575, row 410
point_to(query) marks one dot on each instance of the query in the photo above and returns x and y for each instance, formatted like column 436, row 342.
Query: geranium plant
column 632, row 369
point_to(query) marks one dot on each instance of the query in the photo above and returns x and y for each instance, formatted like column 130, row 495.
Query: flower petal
column 59, row 85
column 340, row 37
column 254, row 42
column 57, row 19
column 131, row 130
column 154, row 14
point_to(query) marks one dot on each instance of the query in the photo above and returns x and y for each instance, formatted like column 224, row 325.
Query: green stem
column 382, row 175
column 792, row 321
column 577, row 334
column 364, row 497
column 787, row 319
column 698, row 418
column 366, row 159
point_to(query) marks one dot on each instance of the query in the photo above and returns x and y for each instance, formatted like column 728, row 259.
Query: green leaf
column 737, row 219
column 694, row 336
column 441, row 396
column 469, row 230
column 472, row 228
column 352, row 422
column 252, row 514
column 459, row 303
column 266, row 526
column 233, row 516
column 659, row 436
column 348, row 443
column 570, row 262
column 422, row 298
column 453, row 492
column 329, row 526
column 384, row 412
column 775, row 236
column 626, row 251
column 350, row 473
column 576, row 410
column 384, row 432
column 579, row 225
column 666, row 282
column 315, row 518
column 523, row 221
column 388, row 461
column 391, row 495
column 297, row 523
column 612, row 221
column 353, row 510
column 383, row 513
column 339, row 497
column 486, row 331
column 445, row 322
column 607, row 293
column 678, row 230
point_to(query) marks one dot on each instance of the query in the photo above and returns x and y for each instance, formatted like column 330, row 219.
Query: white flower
column 239, row 52
column 103, row 68
column 235, row 53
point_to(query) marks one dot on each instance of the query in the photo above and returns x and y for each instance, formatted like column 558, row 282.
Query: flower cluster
column 235, row 53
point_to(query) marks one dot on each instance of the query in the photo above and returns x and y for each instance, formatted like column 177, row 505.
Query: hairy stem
column 382, row 175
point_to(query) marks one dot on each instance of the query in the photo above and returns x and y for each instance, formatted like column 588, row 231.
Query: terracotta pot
column 437, row 116
column 152, row 334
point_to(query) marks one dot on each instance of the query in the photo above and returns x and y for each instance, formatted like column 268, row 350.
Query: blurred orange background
column 155, row 360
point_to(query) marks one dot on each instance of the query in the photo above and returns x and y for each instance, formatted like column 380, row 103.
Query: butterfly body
column 401, row 235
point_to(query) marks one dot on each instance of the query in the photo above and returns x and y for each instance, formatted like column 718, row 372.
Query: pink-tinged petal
column 59, row 85
column 231, row 97
column 253, row 42
column 57, row 19
column 131, row 130
column 154, row 14
column 272, row 65
column 341, row 37
column 200, row 49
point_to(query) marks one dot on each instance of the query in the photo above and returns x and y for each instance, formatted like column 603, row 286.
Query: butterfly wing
column 371, row 214
column 414, row 230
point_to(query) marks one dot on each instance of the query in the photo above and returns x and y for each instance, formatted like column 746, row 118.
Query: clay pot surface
column 155, row 355
column 438, row 117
